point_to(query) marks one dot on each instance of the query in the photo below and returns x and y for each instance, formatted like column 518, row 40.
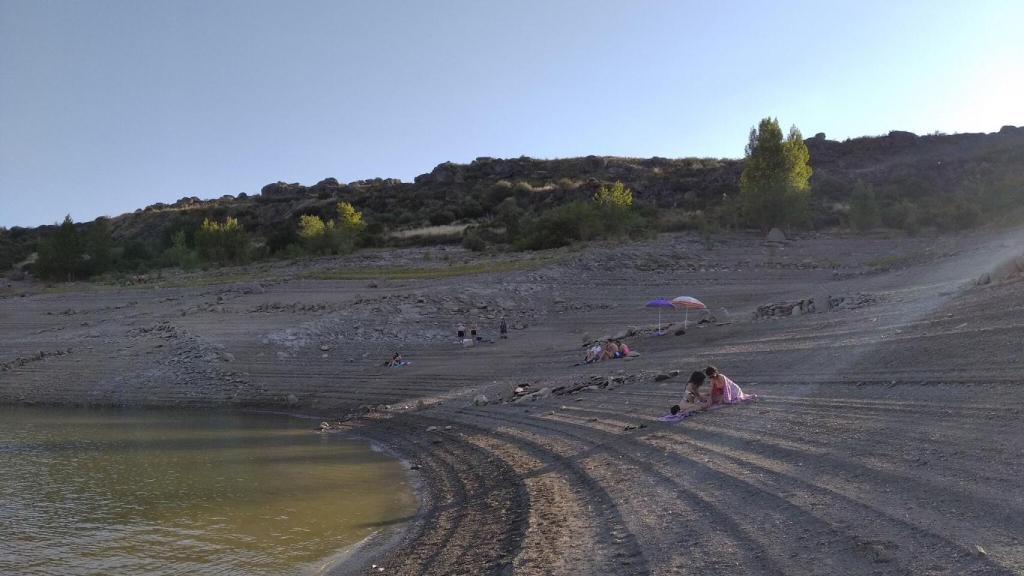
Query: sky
column 111, row 105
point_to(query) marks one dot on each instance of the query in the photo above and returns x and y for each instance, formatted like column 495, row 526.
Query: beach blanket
column 673, row 417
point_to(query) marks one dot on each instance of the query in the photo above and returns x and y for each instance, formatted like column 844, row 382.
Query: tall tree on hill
column 98, row 245
column 774, row 187
column 60, row 255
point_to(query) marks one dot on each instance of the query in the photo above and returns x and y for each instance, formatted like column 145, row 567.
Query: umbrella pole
column 659, row 320
column 686, row 318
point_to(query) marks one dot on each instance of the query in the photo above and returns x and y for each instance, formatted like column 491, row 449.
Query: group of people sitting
column 608, row 350
column 723, row 391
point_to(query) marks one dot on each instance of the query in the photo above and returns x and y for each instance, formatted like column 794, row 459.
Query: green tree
column 99, row 246
column 60, row 255
column 614, row 196
column 332, row 237
column 222, row 242
column 310, row 227
column 774, row 186
column 614, row 210
column 351, row 226
column 349, row 218
column 864, row 212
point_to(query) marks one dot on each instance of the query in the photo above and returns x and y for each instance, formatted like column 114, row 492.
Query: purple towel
column 673, row 417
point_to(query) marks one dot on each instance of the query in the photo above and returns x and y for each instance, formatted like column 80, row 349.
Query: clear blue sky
column 107, row 106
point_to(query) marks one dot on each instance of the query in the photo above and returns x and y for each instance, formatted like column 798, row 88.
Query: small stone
column 661, row 377
column 432, row 428
column 324, row 347
column 480, row 400
column 980, row 551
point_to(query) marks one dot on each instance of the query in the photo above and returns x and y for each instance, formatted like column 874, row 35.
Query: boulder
column 775, row 235
column 480, row 400
column 283, row 190
column 327, row 183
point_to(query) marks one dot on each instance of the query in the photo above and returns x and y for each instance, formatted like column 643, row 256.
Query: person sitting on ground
column 594, row 354
column 624, row 351
column 692, row 398
column 610, row 350
column 728, row 392
column 396, row 360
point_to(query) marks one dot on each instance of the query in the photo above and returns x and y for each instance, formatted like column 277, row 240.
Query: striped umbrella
column 687, row 303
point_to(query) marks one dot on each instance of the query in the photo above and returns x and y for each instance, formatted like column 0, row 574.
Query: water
column 152, row 492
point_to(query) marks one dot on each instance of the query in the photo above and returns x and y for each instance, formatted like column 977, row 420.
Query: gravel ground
column 887, row 438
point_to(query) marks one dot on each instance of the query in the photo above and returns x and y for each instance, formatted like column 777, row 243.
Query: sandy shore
column 888, row 437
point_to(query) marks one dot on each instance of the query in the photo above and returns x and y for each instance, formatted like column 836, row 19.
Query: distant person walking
column 503, row 328
column 461, row 331
column 472, row 332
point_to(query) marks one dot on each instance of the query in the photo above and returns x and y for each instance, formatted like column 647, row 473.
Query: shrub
column 222, row 242
column 470, row 208
column 955, row 216
column 614, row 196
column 864, row 212
column 509, row 215
column 471, row 240
column 332, row 237
column 281, row 238
column 179, row 254
column 560, row 226
column 441, row 218
column 903, row 215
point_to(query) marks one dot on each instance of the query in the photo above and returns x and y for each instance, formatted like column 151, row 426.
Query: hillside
column 940, row 181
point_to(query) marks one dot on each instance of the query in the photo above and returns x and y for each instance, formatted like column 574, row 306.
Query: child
column 692, row 395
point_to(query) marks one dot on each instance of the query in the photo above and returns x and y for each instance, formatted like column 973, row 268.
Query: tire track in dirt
column 849, row 546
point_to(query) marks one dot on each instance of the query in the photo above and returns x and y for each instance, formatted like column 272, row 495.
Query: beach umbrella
column 687, row 303
column 659, row 304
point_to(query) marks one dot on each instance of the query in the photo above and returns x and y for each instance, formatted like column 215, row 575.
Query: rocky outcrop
column 283, row 190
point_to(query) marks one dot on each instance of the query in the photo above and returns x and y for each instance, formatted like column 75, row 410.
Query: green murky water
column 150, row 492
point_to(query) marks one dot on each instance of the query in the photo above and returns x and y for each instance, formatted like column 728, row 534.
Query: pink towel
column 733, row 393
